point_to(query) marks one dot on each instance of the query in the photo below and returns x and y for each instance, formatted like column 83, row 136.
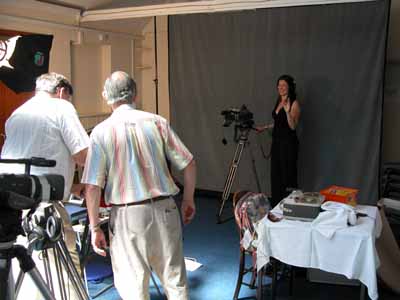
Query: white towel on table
column 335, row 216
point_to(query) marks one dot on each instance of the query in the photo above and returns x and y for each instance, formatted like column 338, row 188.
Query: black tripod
column 7, row 252
column 242, row 141
column 62, row 261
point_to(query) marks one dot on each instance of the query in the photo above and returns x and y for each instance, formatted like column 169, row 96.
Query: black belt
column 147, row 201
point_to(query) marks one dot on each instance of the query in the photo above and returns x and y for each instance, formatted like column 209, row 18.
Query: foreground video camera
column 242, row 117
column 25, row 191
column 41, row 225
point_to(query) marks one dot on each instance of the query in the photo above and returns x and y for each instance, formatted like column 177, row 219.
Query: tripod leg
column 231, row 176
column 18, row 283
column 21, row 274
column 60, row 274
column 41, row 284
column 70, row 267
column 47, row 270
column 37, row 279
column 6, row 285
column 27, row 265
column 105, row 289
column 11, row 285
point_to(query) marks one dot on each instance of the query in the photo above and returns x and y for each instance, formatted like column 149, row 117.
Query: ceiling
column 132, row 26
column 126, row 25
column 130, row 16
column 111, row 4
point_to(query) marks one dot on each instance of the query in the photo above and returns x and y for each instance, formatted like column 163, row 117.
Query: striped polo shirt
column 128, row 155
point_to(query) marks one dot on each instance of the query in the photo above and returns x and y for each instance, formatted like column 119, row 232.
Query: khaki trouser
column 145, row 238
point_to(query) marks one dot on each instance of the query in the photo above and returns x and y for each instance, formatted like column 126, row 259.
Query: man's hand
column 78, row 190
column 188, row 211
column 188, row 208
column 99, row 242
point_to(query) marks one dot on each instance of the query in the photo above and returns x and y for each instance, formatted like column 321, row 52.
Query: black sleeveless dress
column 284, row 152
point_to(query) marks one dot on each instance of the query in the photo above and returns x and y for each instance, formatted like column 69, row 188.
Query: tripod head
column 243, row 133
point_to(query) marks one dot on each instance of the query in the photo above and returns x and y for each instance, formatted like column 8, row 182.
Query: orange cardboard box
column 340, row 194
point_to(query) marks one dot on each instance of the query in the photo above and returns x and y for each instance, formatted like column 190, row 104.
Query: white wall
column 86, row 78
column 94, row 57
column 86, row 57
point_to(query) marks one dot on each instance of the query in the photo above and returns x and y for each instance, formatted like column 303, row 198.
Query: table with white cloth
column 349, row 251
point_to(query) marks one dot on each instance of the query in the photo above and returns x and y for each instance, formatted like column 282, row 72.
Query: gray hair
column 50, row 82
column 119, row 86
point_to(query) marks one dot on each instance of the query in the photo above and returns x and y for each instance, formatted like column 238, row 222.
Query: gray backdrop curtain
column 336, row 54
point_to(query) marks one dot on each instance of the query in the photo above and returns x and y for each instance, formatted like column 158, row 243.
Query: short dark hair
column 50, row 82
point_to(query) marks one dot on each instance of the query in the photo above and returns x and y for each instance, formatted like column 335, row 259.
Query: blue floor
column 216, row 247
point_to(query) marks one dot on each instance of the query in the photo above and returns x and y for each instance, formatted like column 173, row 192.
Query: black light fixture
column 23, row 59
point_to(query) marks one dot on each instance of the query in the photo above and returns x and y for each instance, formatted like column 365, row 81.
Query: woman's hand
column 260, row 129
column 286, row 105
column 293, row 115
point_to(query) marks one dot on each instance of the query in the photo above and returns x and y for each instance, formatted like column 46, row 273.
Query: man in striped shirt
column 128, row 156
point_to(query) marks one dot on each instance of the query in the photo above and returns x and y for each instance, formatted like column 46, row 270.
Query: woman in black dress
column 284, row 149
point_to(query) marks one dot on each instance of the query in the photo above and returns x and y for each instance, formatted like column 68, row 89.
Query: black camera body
column 242, row 117
column 25, row 191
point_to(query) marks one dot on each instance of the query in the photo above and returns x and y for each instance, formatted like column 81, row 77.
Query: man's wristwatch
column 95, row 228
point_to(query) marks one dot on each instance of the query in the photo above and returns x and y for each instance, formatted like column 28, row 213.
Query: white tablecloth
column 350, row 251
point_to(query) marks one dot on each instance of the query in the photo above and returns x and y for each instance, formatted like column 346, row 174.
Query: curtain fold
column 336, row 54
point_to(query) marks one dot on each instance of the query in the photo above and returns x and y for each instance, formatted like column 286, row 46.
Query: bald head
column 119, row 86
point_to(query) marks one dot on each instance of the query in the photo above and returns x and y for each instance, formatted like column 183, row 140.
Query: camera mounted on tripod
column 33, row 192
column 244, row 122
column 243, row 119
column 42, row 226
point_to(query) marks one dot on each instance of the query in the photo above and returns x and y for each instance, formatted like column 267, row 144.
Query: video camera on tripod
column 25, row 191
column 41, row 225
column 243, row 119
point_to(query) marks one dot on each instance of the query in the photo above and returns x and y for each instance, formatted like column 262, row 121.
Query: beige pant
column 28, row 288
column 144, row 238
